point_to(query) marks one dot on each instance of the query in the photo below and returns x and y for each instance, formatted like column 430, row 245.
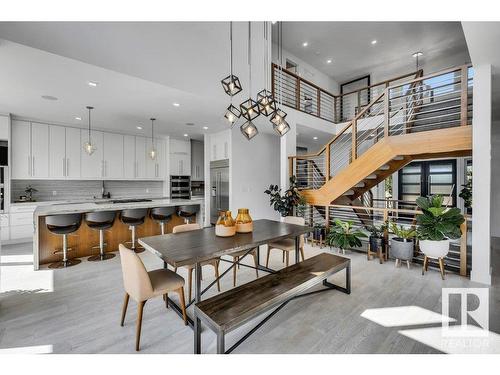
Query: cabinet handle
column 29, row 165
column 64, row 166
column 67, row 167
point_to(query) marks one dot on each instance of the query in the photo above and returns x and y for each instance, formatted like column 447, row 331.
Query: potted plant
column 466, row 195
column 376, row 239
column 343, row 235
column 285, row 203
column 402, row 243
column 436, row 226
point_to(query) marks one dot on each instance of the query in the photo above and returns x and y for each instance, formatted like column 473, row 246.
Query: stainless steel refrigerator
column 219, row 188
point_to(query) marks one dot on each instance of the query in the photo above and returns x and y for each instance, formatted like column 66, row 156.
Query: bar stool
column 187, row 212
column 64, row 225
column 100, row 221
column 134, row 217
column 162, row 215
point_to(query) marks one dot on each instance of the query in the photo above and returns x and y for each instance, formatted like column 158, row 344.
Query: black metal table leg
column 197, row 322
column 220, row 343
column 297, row 249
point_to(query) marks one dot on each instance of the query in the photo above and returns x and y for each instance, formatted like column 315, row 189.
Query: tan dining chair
column 288, row 244
column 142, row 285
column 213, row 262
column 236, row 257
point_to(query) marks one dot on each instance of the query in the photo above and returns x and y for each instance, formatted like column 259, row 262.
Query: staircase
column 427, row 117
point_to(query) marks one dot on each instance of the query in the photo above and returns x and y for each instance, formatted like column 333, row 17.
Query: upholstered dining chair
column 213, row 262
column 236, row 257
column 288, row 244
column 142, row 285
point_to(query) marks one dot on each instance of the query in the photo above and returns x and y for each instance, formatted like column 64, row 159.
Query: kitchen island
column 46, row 243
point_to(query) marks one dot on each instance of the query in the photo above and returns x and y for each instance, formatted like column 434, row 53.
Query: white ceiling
column 348, row 44
column 305, row 138
column 141, row 67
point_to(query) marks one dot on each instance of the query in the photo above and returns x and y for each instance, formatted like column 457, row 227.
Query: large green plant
column 344, row 236
column 437, row 223
column 285, row 203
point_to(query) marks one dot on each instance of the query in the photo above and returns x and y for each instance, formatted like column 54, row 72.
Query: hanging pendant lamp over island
column 88, row 146
column 152, row 152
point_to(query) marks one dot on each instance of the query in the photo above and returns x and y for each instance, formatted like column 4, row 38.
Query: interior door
column 425, row 178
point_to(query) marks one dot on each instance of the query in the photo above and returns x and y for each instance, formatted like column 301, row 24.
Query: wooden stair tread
column 234, row 307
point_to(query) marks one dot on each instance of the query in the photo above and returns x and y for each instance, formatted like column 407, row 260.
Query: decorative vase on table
column 244, row 223
column 225, row 226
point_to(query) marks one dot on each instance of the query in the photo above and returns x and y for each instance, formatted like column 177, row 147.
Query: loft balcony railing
column 307, row 97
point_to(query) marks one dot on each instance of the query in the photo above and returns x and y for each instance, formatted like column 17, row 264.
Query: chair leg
column 441, row 267
column 283, row 261
column 408, row 264
column 190, row 283
column 302, row 253
column 424, row 266
column 256, row 262
column 183, row 305
column 165, row 297
column 140, row 309
column 175, row 269
column 287, row 257
column 216, row 269
column 124, row 309
column 235, row 259
column 268, row 253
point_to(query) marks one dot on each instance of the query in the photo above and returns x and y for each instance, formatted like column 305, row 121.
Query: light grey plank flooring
column 82, row 312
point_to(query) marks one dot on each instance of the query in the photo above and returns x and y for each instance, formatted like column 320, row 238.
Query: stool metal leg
column 136, row 249
column 65, row 262
column 162, row 227
column 102, row 255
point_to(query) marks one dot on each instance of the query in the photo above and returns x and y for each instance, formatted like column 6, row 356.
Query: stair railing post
column 354, row 128
column 297, row 93
column 327, row 162
column 318, row 100
column 464, row 79
column 386, row 112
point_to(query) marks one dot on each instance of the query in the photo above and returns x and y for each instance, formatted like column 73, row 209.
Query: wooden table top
column 186, row 248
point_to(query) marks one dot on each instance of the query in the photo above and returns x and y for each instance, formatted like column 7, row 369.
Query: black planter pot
column 376, row 243
column 319, row 233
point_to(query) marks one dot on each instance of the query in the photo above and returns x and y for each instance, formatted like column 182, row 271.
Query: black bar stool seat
column 134, row 217
column 63, row 225
column 187, row 212
column 162, row 215
column 100, row 221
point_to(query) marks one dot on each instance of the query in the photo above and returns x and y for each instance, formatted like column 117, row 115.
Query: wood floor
column 77, row 310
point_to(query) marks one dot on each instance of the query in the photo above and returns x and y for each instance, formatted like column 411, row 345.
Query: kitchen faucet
column 103, row 194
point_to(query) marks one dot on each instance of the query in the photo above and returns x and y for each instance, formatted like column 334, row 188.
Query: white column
column 288, row 147
column 481, row 183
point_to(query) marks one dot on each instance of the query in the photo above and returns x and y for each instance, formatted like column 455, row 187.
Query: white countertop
column 66, row 207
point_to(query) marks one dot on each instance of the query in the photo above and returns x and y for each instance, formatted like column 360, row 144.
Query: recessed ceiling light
column 305, row 44
column 205, row 128
column 139, row 127
column 418, row 54
column 374, row 41
column 49, row 97
column 176, row 104
column 315, row 138
column 329, row 61
column 185, row 135
column 92, row 84
column 78, row 118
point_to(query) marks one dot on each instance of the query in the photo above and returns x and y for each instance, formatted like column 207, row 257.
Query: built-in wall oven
column 180, row 187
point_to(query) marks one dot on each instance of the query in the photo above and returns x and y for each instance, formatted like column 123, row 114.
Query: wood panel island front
column 82, row 241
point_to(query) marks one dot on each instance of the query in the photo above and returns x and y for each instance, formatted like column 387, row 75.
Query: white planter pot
column 435, row 249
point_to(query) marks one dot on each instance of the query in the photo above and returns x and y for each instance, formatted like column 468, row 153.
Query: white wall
column 495, row 179
column 307, row 71
column 481, row 187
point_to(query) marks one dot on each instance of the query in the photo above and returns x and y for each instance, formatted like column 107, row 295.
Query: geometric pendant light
column 265, row 98
column 231, row 84
column 152, row 151
column 278, row 117
column 88, row 147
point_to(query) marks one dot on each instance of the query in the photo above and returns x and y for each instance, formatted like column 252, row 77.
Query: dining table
column 194, row 247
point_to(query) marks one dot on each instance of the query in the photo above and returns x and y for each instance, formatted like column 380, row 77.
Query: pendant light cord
column 249, row 59
column 231, row 59
column 89, row 108
column 280, row 57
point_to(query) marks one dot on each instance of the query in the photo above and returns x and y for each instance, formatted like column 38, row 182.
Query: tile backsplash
column 51, row 190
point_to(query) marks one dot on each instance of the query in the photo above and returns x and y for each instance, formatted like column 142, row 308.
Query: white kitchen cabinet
column 180, row 157
column 92, row 166
column 21, row 221
column 57, row 152
column 21, row 149
column 140, row 157
column 155, row 169
column 113, row 156
column 197, row 161
column 162, row 158
column 129, row 157
column 4, row 227
column 74, row 148
column 39, row 150
column 219, row 143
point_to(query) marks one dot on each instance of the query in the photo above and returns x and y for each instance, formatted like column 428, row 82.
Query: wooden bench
column 233, row 308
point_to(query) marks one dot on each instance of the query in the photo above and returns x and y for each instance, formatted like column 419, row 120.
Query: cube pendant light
column 250, row 109
column 266, row 102
column 277, row 116
column 249, row 130
column 232, row 114
column 281, row 128
column 231, row 85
